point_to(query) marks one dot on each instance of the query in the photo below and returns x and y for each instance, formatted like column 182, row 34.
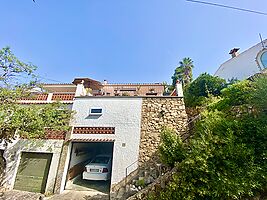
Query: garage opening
column 33, row 172
column 90, row 167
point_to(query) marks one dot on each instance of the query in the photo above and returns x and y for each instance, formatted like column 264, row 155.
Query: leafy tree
column 16, row 82
column 202, row 88
column 183, row 72
column 207, row 84
column 12, row 69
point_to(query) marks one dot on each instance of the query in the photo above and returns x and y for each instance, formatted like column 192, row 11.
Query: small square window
column 96, row 111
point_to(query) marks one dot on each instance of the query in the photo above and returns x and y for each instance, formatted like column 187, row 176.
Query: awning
column 91, row 140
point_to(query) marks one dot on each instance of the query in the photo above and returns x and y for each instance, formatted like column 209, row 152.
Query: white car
column 99, row 168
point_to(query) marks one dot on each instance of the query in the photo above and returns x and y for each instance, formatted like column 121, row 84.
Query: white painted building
column 242, row 66
column 119, row 123
column 110, row 125
column 25, row 154
column 31, row 164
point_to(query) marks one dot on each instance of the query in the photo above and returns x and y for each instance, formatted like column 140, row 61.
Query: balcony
column 62, row 97
column 48, row 98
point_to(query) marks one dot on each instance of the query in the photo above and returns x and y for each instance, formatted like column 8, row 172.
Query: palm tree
column 183, row 72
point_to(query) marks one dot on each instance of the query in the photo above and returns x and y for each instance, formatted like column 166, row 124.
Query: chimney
column 80, row 90
column 179, row 89
column 105, row 82
column 234, row 52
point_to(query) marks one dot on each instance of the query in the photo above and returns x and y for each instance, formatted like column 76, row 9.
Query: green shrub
column 140, row 183
column 238, row 94
column 259, row 96
column 226, row 157
column 171, row 148
column 221, row 162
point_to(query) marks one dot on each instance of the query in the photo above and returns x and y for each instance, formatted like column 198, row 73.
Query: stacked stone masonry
column 157, row 113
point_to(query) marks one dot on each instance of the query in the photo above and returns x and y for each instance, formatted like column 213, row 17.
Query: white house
column 31, row 165
column 242, row 66
column 126, row 127
column 115, row 130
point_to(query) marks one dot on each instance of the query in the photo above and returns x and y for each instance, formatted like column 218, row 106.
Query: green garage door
column 33, row 171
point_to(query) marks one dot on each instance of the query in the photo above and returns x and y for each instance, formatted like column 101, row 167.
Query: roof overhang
column 88, row 83
column 91, row 140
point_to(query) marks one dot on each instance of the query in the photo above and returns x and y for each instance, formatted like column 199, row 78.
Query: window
column 151, row 94
column 101, row 160
column 263, row 59
column 96, row 111
column 128, row 89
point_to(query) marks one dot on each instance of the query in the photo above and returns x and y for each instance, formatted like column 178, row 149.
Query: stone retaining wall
column 157, row 113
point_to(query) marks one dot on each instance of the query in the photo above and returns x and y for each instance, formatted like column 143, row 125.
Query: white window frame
column 92, row 113
column 258, row 59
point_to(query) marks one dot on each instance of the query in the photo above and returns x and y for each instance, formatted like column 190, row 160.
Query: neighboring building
column 66, row 91
column 31, row 165
column 242, row 66
column 133, row 89
column 106, row 121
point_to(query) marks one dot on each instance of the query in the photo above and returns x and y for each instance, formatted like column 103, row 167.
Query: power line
column 40, row 77
column 48, row 79
column 229, row 7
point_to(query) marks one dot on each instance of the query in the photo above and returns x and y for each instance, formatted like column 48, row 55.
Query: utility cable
column 229, row 7
column 48, row 79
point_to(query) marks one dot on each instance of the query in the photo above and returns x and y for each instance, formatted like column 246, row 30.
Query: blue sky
column 126, row 40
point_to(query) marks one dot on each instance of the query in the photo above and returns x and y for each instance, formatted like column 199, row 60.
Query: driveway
column 96, row 187
column 80, row 189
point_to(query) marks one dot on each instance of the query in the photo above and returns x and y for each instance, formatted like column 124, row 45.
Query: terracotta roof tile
column 62, row 97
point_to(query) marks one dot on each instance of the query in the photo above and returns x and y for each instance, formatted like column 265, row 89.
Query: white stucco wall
column 242, row 66
column 80, row 158
column 15, row 149
column 122, row 113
